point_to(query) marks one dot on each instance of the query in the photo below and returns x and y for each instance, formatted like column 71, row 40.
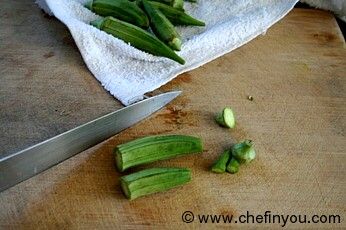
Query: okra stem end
column 176, row 44
column 244, row 152
column 97, row 23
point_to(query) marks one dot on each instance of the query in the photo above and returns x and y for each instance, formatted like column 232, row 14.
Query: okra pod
column 162, row 27
column 121, row 9
column 153, row 180
column 176, row 17
column 153, row 148
column 137, row 37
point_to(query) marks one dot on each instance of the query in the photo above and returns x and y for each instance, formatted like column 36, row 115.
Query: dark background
column 341, row 23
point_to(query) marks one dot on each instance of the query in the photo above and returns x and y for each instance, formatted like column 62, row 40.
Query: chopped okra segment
column 153, row 148
column 244, row 152
column 221, row 163
column 153, row 180
column 226, row 118
column 233, row 166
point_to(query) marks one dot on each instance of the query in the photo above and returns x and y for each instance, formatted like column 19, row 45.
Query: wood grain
column 45, row 87
column 296, row 75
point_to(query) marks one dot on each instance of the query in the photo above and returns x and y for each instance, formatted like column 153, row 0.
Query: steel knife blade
column 26, row 163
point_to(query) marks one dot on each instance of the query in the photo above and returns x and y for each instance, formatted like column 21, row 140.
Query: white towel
column 128, row 73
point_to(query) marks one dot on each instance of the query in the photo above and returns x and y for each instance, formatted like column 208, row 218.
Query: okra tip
column 89, row 5
column 179, row 59
column 199, row 23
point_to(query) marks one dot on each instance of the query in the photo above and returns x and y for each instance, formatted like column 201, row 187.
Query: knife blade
column 26, row 163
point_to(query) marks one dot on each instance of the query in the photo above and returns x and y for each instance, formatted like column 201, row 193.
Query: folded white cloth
column 128, row 73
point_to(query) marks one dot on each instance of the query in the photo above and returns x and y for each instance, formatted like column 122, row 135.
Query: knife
column 26, row 163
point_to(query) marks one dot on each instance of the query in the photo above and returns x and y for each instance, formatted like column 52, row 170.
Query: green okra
column 178, row 4
column 221, row 163
column 176, row 17
column 121, row 9
column 233, row 166
column 153, row 148
column 166, row 2
column 153, row 180
column 244, row 152
column 137, row 37
column 226, row 118
column 162, row 27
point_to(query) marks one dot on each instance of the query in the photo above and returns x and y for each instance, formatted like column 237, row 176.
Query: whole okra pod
column 121, row 9
column 137, row 37
column 175, row 16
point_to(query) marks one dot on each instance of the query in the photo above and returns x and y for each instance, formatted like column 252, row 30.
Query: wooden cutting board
column 295, row 73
